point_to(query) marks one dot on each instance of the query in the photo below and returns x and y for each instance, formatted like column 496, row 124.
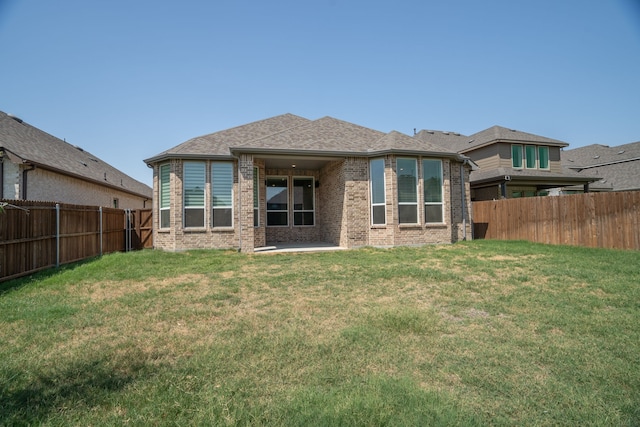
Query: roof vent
column 430, row 131
column 446, row 133
column 596, row 157
column 78, row 148
column 470, row 141
column 621, row 152
column 17, row 119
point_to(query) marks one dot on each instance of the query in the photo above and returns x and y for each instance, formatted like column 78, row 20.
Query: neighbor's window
column 433, row 205
column 222, row 194
column 378, row 205
column 407, row 172
column 543, row 157
column 277, row 201
column 516, row 156
column 193, row 190
column 165, row 195
column 256, row 199
column 530, row 155
column 303, row 206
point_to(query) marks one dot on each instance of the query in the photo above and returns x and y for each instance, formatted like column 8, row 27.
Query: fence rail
column 605, row 220
column 39, row 235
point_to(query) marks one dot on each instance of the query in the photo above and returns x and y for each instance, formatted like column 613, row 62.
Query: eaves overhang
column 561, row 181
column 514, row 141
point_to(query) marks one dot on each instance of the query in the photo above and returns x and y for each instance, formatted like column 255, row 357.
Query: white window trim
column 441, row 192
column 417, row 190
column 204, row 198
column 288, row 201
column 160, row 199
column 522, row 153
column 293, row 204
column 384, row 191
column 213, row 208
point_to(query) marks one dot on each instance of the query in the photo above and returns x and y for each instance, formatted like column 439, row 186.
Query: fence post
column 100, row 213
column 127, row 231
column 57, row 235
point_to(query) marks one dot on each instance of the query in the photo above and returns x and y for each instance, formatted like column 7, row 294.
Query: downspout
column 239, row 206
column 464, row 203
column 24, row 181
column 1, row 174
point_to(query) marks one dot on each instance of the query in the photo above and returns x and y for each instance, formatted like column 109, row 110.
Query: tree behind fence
column 604, row 220
column 29, row 241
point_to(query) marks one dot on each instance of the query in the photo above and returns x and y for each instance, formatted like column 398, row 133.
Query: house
column 510, row 163
column 290, row 179
column 617, row 167
column 37, row 166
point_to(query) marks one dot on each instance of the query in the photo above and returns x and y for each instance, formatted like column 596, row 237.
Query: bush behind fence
column 40, row 235
column 603, row 220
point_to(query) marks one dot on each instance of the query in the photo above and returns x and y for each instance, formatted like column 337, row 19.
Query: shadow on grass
column 23, row 281
column 82, row 385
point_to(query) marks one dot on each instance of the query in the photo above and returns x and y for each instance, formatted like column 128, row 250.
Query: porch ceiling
column 288, row 162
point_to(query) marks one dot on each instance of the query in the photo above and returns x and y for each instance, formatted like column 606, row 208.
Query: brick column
column 245, row 200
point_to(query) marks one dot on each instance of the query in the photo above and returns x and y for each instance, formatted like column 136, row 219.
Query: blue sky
column 126, row 80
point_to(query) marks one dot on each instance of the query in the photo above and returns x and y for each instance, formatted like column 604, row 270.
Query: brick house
column 35, row 165
column 289, row 179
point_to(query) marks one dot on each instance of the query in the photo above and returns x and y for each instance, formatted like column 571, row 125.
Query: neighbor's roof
column 618, row 166
column 290, row 134
column 28, row 144
column 462, row 143
column 567, row 177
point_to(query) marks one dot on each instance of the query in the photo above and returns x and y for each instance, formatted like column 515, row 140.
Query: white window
column 193, row 192
column 303, row 201
column 222, row 194
column 277, row 201
column 432, row 182
column 256, row 199
column 378, row 199
column 516, row 156
column 165, row 195
column 530, row 156
column 407, row 172
column 543, row 157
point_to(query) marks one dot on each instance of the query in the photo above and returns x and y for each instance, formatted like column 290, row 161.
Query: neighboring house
column 617, row 167
column 37, row 166
column 289, row 179
column 510, row 163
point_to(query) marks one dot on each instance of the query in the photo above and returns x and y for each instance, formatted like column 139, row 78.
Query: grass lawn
column 476, row 333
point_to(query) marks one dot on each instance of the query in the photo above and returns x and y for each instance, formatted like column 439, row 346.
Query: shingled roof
column 619, row 165
column 293, row 135
column 25, row 143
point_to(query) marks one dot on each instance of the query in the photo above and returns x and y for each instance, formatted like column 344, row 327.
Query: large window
column 222, row 194
column 433, row 205
column 277, row 201
column 530, row 154
column 303, row 205
column 543, row 157
column 165, row 195
column 193, row 192
column 516, row 156
column 256, row 198
column 407, row 172
column 378, row 205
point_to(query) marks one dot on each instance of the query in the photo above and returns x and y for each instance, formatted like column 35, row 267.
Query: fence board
column 28, row 241
column 606, row 220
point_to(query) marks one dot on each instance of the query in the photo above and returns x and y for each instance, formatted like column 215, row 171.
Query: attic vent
column 621, row 152
column 17, row 119
column 596, row 157
column 78, row 148
column 513, row 130
column 430, row 131
column 93, row 160
column 470, row 141
column 83, row 163
column 446, row 133
column 105, row 176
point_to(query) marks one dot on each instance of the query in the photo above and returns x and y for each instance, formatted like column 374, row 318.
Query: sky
column 126, row 80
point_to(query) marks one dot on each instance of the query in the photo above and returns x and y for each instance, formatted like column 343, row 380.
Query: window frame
column 164, row 212
column 534, row 161
column 313, row 200
column 415, row 192
column 548, row 165
column 521, row 148
column 256, row 197
column 193, row 207
column 372, row 186
column 230, row 196
column 424, row 190
column 286, row 211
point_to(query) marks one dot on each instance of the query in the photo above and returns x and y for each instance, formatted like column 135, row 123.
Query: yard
column 476, row 333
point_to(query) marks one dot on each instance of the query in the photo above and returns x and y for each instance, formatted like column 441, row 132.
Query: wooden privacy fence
column 39, row 235
column 604, row 220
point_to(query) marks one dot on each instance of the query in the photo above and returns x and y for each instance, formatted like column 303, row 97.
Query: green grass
column 476, row 333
